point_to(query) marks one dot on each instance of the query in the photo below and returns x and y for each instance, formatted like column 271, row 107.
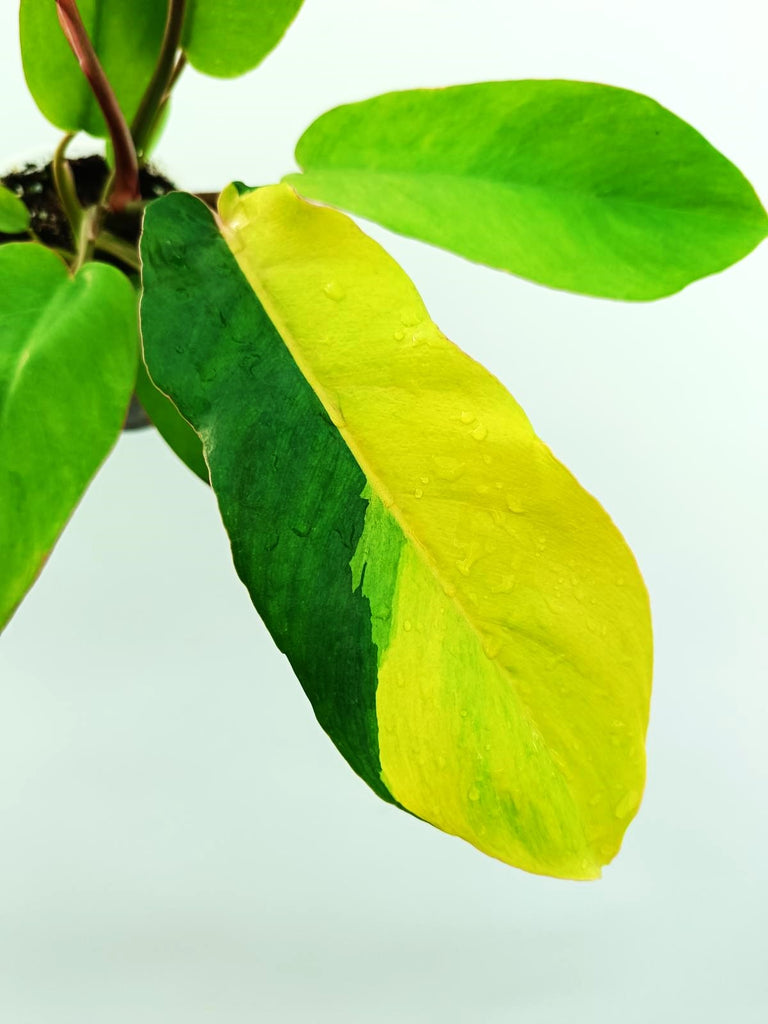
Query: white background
column 180, row 843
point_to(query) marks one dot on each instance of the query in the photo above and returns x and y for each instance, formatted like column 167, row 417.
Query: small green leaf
column 470, row 627
column 14, row 216
column 126, row 35
column 226, row 38
column 171, row 424
column 574, row 185
column 67, row 367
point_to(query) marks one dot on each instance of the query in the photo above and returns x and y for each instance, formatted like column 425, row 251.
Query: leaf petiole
column 64, row 182
column 166, row 73
column 86, row 237
column 122, row 250
column 125, row 186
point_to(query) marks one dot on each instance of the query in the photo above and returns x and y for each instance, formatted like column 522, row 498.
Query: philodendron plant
column 469, row 625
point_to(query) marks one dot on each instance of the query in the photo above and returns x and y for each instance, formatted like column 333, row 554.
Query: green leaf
column 67, row 367
column 470, row 627
column 226, row 38
column 126, row 35
column 574, row 185
column 14, row 216
column 171, row 424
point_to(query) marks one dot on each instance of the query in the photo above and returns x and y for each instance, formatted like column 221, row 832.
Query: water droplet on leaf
column 491, row 646
column 514, row 505
column 447, row 468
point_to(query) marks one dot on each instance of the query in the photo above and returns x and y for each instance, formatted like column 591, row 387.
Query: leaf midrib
column 396, row 512
column 747, row 218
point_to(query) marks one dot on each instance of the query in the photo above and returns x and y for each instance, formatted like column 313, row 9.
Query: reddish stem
column 125, row 187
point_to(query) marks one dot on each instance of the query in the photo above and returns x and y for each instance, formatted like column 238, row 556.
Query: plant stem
column 126, row 182
column 181, row 63
column 122, row 250
column 209, row 198
column 64, row 182
column 86, row 236
column 164, row 77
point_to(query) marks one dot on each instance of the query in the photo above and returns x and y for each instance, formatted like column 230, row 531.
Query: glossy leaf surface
column 578, row 186
column 68, row 348
column 14, row 216
column 226, row 38
column 126, row 35
column 470, row 627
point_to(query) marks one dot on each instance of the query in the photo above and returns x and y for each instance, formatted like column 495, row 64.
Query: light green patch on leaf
column 382, row 542
column 14, row 216
column 226, row 38
column 126, row 35
column 67, row 368
column 574, row 185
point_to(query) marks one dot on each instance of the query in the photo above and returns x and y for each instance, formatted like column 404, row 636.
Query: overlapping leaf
column 469, row 626
column 575, row 185
column 68, row 348
column 174, row 429
column 126, row 35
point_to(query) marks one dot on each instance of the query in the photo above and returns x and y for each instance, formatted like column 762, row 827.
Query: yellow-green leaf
column 575, row 185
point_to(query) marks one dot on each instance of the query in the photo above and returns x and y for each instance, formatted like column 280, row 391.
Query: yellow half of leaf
column 512, row 625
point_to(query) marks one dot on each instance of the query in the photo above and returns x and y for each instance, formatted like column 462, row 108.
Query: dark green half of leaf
column 578, row 186
column 67, row 368
column 226, row 38
column 275, row 459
